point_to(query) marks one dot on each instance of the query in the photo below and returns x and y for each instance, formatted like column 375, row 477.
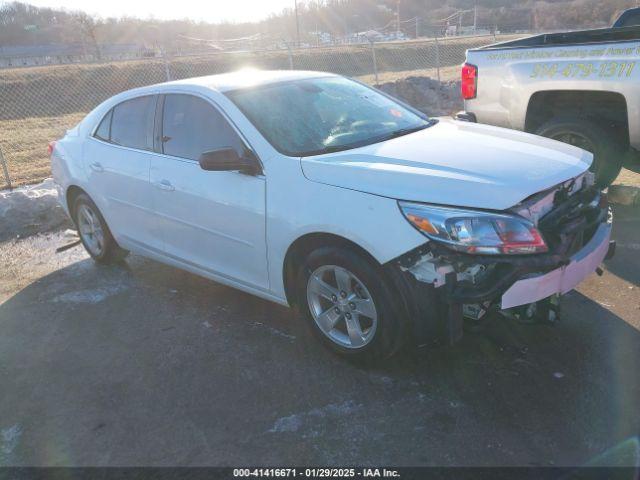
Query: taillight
column 51, row 146
column 469, row 85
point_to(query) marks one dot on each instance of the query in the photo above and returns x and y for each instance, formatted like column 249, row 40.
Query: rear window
column 132, row 123
column 629, row 20
column 104, row 129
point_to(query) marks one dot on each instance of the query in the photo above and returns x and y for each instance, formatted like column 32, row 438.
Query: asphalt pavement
column 143, row 364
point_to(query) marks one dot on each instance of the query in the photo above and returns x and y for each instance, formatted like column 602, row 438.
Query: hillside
column 23, row 24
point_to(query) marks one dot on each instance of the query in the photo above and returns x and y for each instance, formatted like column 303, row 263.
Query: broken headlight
column 476, row 232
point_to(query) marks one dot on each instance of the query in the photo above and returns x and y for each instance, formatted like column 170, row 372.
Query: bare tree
column 88, row 26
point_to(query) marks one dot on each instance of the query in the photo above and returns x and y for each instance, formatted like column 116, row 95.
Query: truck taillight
column 469, row 85
column 50, row 147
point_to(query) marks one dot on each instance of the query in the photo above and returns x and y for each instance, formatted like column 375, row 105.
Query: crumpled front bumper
column 564, row 279
column 578, row 233
column 433, row 277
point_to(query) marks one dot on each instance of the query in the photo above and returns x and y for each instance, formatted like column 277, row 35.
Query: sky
column 213, row 11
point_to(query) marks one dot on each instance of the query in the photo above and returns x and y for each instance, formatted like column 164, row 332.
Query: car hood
column 453, row 163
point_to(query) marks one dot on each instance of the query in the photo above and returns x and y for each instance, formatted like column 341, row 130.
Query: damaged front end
column 574, row 221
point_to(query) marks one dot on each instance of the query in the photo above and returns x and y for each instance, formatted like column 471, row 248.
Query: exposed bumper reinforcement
column 565, row 278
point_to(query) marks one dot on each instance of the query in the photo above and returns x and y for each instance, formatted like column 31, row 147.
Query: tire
column 94, row 232
column 608, row 152
column 377, row 312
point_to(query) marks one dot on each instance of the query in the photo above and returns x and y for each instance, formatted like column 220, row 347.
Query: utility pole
column 295, row 5
column 397, row 19
column 475, row 17
column 417, row 27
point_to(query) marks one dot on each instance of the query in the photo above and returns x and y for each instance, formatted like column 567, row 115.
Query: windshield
column 322, row 115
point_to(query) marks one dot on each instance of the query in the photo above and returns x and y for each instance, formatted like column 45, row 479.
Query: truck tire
column 94, row 232
column 608, row 153
column 349, row 304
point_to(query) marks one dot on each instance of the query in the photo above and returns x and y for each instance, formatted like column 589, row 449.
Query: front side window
column 322, row 115
column 192, row 126
column 132, row 123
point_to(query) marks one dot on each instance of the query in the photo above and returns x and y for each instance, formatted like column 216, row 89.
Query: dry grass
column 630, row 175
column 27, row 142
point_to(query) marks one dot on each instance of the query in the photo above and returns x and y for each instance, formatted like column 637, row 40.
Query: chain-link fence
column 37, row 104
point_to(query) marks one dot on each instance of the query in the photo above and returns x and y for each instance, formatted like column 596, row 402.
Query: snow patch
column 9, row 438
column 91, row 296
column 275, row 331
column 295, row 422
column 29, row 210
column 291, row 423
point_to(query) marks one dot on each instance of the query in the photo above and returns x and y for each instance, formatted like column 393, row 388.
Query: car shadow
column 632, row 163
column 146, row 364
column 626, row 232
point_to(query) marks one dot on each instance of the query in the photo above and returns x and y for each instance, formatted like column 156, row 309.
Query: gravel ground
column 143, row 364
column 630, row 175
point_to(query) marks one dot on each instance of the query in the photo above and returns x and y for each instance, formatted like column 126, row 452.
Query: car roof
column 221, row 83
column 246, row 78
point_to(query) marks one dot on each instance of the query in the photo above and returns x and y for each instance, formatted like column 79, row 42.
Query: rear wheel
column 349, row 304
column 94, row 232
column 608, row 151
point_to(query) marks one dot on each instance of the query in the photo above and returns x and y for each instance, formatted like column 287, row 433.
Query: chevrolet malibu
column 383, row 227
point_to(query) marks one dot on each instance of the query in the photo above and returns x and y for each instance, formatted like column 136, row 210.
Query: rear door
column 211, row 220
column 117, row 159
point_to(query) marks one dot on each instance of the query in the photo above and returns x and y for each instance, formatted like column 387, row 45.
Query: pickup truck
column 580, row 87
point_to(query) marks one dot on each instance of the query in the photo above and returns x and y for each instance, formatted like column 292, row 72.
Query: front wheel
column 608, row 153
column 349, row 304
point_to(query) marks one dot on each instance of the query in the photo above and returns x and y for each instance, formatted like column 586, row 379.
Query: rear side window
column 132, row 123
column 104, row 129
column 192, row 126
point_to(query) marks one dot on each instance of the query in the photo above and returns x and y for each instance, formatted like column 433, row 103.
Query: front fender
column 372, row 222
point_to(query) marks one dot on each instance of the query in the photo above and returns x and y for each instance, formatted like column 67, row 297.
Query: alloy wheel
column 342, row 306
column 90, row 230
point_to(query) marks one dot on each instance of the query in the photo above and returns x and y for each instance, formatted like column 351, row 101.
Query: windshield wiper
column 369, row 141
column 403, row 131
column 329, row 149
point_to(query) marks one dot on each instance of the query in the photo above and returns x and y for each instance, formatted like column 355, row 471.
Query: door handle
column 96, row 167
column 165, row 185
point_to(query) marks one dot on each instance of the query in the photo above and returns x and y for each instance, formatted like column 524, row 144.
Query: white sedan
column 312, row 190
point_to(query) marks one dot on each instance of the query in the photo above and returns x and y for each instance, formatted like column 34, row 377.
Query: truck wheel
column 94, row 232
column 608, row 154
column 349, row 305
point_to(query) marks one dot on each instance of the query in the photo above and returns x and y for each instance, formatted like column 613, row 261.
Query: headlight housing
column 475, row 232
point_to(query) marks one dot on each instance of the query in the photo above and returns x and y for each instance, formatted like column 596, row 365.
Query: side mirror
column 227, row 159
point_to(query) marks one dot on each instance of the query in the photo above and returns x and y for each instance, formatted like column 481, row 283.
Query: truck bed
column 581, row 37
